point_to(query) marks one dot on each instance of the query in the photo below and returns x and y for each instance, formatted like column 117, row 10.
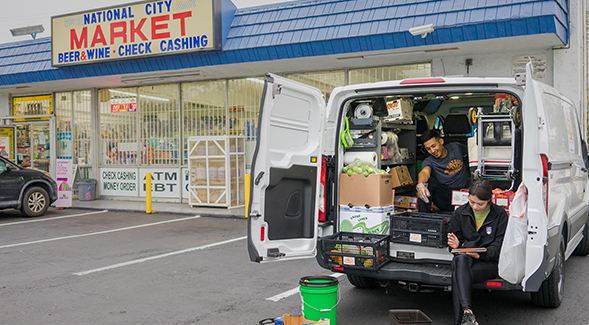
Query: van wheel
column 583, row 247
column 35, row 202
column 551, row 291
column 362, row 281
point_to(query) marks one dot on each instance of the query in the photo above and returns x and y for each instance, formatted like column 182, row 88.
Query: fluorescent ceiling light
column 160, row 76
column 256, row 80
column 142, row 96
column 378, row 55
column 29, row 30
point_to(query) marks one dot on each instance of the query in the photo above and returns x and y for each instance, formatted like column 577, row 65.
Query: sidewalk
column 175, row 208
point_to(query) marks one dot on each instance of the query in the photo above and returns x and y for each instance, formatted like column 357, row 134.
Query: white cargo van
column 530, row 135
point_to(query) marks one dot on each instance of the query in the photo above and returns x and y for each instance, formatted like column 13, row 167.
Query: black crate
column 425, row 229
column 356, row 250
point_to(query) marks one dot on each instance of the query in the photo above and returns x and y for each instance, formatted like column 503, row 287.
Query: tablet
column 469, row 250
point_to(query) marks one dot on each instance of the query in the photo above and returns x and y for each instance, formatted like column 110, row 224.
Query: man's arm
column 424, row 175
column 422, row 178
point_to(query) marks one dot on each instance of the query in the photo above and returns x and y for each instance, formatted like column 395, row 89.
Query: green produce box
column 376, row 190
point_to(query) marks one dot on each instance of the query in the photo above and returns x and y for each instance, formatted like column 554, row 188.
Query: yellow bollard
column 148, row 193
column 247, row 192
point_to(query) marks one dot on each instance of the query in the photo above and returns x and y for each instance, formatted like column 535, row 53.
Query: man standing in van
column 441, row 173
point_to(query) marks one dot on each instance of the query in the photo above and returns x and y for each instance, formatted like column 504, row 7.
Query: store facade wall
column 132, row 118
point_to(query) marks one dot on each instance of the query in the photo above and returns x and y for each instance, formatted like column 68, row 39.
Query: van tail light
column 262, row 233
column 494, row 284
column 322, row 190
column 545, row 180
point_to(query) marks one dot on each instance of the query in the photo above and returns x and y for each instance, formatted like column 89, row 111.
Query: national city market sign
column 135, row 30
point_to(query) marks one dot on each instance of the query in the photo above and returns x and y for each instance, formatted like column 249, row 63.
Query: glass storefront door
column 33, row 144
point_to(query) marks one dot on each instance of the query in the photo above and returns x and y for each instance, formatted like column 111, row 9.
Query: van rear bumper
column 428, row 273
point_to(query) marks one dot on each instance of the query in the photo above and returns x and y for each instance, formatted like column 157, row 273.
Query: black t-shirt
column 449, row 170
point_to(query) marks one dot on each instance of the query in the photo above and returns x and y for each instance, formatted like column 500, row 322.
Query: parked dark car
column 29, row 190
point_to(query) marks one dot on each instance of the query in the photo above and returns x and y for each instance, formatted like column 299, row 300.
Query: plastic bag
column 512, row 258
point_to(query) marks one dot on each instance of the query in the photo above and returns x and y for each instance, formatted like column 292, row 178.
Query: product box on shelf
column 401, row 176
column 373, row 220
column 399, row 110
column 503, row 199
column 407, row 202
column 374, row 191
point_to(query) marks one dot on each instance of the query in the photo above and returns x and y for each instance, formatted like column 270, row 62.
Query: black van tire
column 583, row 247
column 35, row 202
column 550, row 294
column 362, row 281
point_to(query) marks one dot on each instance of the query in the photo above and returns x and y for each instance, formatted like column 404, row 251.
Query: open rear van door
column 534, row 180
column 286, row 167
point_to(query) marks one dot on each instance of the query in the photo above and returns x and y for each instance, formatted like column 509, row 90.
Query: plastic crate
column 354, row 250
column 408, row 316
column 424, row 229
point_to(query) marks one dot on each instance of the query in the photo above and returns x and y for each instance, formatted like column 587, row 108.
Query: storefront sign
column 32, row 105
column 123, row 105
column 165, row 182
column 135, row 30
column 7, row 142
column 119, row 181
column 64, row 177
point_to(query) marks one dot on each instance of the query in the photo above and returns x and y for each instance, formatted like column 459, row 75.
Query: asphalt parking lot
column 100, row 267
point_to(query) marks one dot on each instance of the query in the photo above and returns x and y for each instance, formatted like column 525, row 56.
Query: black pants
column 441, row 196
column 466, row 271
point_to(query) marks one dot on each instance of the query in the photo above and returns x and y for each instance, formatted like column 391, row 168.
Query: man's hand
column 423, row 192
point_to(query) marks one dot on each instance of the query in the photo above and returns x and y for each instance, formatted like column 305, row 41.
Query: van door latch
column 258, row 178
column 275, row 252
column 255, row 214
column 276, row 89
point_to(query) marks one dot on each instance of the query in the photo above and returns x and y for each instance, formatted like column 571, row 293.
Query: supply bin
column 87, row 189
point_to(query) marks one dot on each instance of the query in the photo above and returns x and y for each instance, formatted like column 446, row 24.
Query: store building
column 121, row 90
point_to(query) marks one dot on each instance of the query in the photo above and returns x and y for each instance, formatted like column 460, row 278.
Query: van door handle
column 258, row 178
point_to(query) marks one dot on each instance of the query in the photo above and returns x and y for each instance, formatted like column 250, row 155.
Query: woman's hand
column 474, row 255
column 453, row 241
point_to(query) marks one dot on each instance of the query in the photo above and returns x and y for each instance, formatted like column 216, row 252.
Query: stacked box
column 365, row 220
column 424, row 229
column 357, row 251
column 376, row 190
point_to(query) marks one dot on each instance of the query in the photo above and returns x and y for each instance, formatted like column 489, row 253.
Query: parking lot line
column 294, row 291
column 97, row 232
column 141, row 260
column 54, row 218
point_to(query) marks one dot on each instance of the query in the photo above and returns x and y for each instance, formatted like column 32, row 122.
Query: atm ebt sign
column 133, row 30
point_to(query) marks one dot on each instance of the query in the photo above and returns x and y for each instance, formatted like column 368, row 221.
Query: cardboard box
column 297, row 319
column 406, row 202
column 459, row 197
column 359, row 219
column 399, row 110
column 374, row 191
column 503, row 199
column 401, row 176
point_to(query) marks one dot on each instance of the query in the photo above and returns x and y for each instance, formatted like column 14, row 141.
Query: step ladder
column 496, row 145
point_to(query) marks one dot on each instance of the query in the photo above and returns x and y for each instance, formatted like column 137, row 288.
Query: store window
column 245, row 96
column 118, row 126
column 82, row 127
column 63, row 125
column 324, row 81
column 159, row 125
column 204, row 110
column 397, row 72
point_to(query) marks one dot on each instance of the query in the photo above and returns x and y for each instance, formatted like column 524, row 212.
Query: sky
column 22, row 13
